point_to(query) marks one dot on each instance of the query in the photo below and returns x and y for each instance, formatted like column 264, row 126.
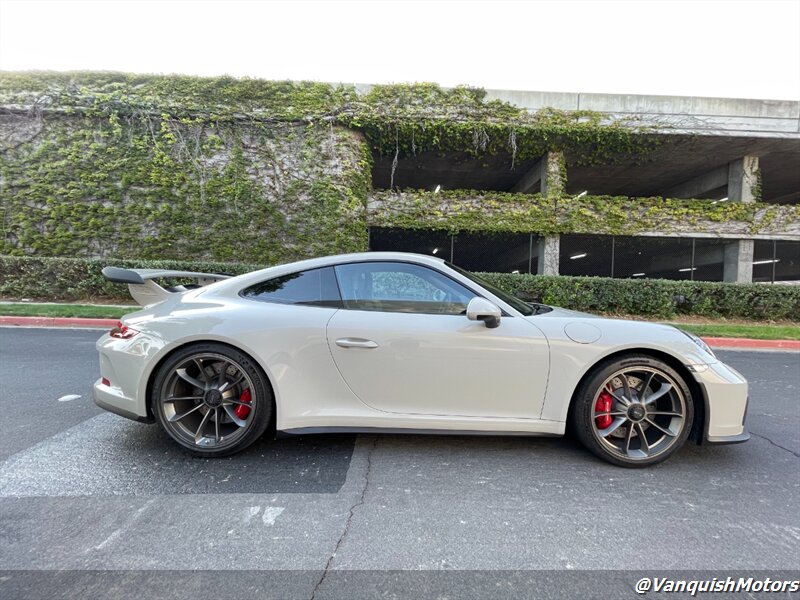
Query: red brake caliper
column 242, row 411
column 603, row 404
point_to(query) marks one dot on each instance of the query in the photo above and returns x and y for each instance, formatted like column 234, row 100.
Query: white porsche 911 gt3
column 403, row 342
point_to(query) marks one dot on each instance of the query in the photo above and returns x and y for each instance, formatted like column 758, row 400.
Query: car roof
column 337, row 259
column 232, row 287
column 323, row 261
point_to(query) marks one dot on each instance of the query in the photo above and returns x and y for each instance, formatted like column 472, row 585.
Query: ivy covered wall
column 171, row 167
column 471, row 210
column 114, row 165
column 139, row 186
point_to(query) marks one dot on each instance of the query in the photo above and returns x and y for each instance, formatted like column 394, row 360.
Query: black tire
column 180, row 405
column 651, row 432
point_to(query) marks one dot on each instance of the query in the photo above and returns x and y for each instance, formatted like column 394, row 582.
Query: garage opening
column 776, row 261
column 676, row 258
column 488, row 252
column 449, row 171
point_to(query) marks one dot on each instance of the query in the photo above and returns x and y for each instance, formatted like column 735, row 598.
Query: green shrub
column 656, row 297
column 72, row 279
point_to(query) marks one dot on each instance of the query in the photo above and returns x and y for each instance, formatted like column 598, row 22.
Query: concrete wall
column 686, row 114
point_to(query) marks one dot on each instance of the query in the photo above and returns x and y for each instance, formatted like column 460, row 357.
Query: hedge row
column 656, row 297
column 80, row 279
column 71, row 279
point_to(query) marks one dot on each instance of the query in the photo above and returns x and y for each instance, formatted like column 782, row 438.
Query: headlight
column 698, row 341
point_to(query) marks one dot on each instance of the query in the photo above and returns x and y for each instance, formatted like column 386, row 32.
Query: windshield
column 523, row 307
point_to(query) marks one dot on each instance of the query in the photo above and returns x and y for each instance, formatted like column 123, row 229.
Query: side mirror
column 480, row 309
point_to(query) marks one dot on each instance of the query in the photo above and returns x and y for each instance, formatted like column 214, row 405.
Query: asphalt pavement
column 91, row 503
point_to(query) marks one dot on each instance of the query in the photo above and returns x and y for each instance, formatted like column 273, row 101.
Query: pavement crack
column 360, row 501
column 763, row 437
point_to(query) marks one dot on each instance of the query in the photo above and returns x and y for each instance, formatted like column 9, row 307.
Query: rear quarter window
column 315, row 287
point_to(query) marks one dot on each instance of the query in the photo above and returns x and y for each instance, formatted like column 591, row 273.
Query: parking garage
column 716, row 150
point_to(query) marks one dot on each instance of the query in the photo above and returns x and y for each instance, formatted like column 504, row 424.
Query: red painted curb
column 57, row 322
column 718, row 342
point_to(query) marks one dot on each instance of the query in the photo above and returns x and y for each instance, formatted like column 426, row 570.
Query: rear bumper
column 122, row 363
column 112, row 400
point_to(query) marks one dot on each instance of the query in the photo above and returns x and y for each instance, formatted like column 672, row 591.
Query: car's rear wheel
column 633, row 411
column 212, row 399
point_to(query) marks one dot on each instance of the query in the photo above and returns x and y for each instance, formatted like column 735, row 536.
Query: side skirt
column 402, row 430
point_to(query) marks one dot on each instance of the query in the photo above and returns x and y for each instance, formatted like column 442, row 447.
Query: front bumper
column 726, row 401
column 730, row 439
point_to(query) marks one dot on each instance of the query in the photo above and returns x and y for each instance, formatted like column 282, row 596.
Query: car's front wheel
column 212, row 399
column 633, row 411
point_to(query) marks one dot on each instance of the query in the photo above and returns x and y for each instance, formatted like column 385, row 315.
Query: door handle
column 355, row 343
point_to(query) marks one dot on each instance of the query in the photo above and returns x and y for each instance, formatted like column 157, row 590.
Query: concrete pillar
column 738, row 262
column 554, row 181
column 546, row 177
column 743, row 179
column 549, row 248
column 742, row 187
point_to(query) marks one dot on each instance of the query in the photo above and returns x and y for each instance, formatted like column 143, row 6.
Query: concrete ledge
column 678, row 114
column 692, row 115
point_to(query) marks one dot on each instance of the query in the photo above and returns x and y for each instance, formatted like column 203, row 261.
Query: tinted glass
column 316, row 287
column 401, row 287
column 523, row 307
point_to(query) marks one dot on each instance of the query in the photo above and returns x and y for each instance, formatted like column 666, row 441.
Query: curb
column 746, row 343
column 75, row 322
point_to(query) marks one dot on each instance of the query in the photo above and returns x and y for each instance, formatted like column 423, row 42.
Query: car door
column 403, row 344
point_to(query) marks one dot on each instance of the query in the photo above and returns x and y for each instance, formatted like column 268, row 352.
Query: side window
column 315, row 287
column 400, row 287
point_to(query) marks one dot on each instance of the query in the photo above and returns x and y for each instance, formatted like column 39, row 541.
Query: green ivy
column 408, row 119
column 162, row 187
column 403, row 119
column 146, row 166
column 215, row 98
column 471, row 210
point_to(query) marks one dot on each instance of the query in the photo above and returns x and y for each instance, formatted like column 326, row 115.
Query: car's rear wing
column 146, row 291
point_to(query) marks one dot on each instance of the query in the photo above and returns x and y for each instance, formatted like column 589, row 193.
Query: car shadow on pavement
column 109, row 456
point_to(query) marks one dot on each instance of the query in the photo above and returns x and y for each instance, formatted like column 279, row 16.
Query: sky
column 722, row 48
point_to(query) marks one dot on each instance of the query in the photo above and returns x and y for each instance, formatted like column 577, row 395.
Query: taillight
column 105, row 381
column 122, row 332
